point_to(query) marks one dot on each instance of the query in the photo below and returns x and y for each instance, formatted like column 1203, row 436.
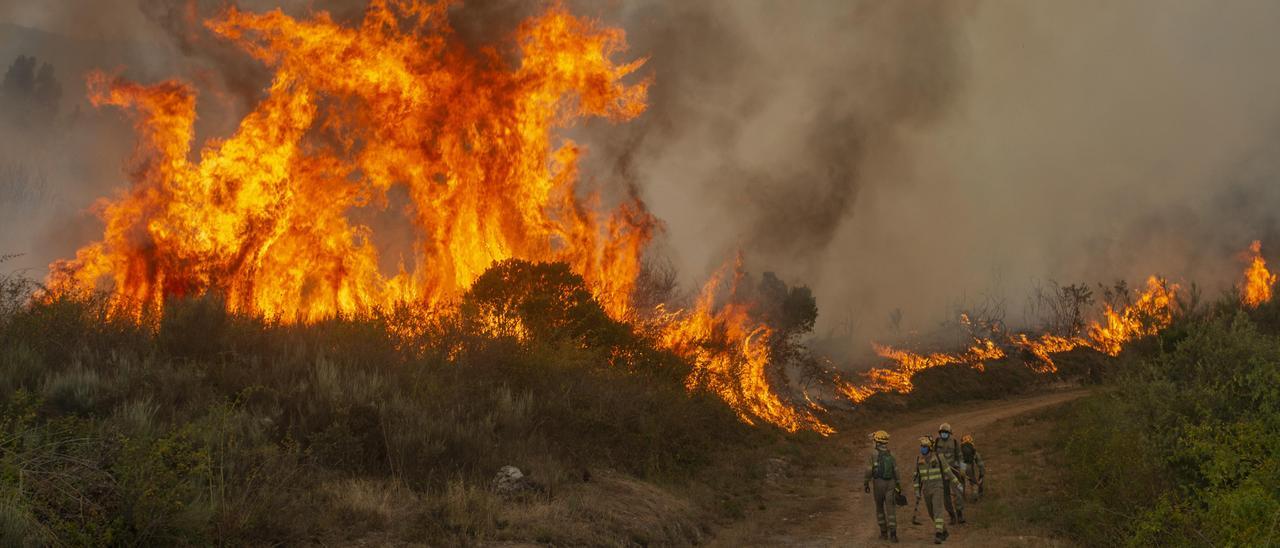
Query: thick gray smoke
column 894, row 156
column 922, row 156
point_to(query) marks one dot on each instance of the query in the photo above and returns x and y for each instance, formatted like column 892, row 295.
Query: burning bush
column 540, row 301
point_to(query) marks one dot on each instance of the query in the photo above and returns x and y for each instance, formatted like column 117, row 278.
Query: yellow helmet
column 968, row 438
column 944, row 427
column 925, row 441
column 880, row 436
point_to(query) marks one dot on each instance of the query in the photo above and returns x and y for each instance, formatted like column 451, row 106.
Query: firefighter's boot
column 893, row 535
column 960, row 516
column 937, row 538
column 884, row 534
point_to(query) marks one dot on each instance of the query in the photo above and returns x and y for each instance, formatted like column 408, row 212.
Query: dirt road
column 827, row 507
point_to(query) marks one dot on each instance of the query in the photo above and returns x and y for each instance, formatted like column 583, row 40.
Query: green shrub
column 164, row 484
column 20, row 367
column 194, row 328
column 953, row 383
column 19, row 526
column 74, row 391
column 1182, row 450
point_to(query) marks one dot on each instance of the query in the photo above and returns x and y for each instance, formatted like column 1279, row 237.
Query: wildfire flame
column 1256, row 287
column 1045, row 346
column 262, row 217
column 907, row 364
column 731, row 354
column 1152, row 311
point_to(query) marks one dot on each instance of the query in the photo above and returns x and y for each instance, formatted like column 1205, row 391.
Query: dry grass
column 611, row 510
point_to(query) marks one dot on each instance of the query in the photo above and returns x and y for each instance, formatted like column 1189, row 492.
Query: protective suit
column 933, row 475
column 949, row 447
column 881, row 480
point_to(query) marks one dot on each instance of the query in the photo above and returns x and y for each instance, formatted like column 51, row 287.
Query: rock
column 776, row 469
column 509, row 480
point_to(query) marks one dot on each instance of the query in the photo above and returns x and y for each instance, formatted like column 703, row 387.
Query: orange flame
column 731, row 355
column 906, row 364
column 262, row 217
column 1153, row 311
column 1045, row 346
column 1255, row 289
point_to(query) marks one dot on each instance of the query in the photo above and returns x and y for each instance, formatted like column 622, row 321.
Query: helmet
column 880, row 436
column 968, row 438
column 925, row 441
column 944, row 427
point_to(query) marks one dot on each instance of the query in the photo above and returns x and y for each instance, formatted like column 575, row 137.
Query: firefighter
column 975, row 471
column 932, row 474
column 881, row 480
column 949, row 448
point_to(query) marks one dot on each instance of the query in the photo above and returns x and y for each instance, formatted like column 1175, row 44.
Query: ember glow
column 1258, row 282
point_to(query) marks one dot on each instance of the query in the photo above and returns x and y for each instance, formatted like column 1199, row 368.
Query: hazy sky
column 110, row 19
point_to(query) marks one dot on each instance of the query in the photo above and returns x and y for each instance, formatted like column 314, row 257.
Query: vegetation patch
column 202, row 427
column 1180, row 448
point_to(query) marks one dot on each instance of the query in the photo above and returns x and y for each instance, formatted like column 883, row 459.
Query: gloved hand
column 866, row 487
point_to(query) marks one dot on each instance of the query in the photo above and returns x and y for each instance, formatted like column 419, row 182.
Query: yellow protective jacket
column 950, row 450
column 932, row 470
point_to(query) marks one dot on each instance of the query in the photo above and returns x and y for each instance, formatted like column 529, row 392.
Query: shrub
column 74, row 391
column 1182, row 450
column 953, row 383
